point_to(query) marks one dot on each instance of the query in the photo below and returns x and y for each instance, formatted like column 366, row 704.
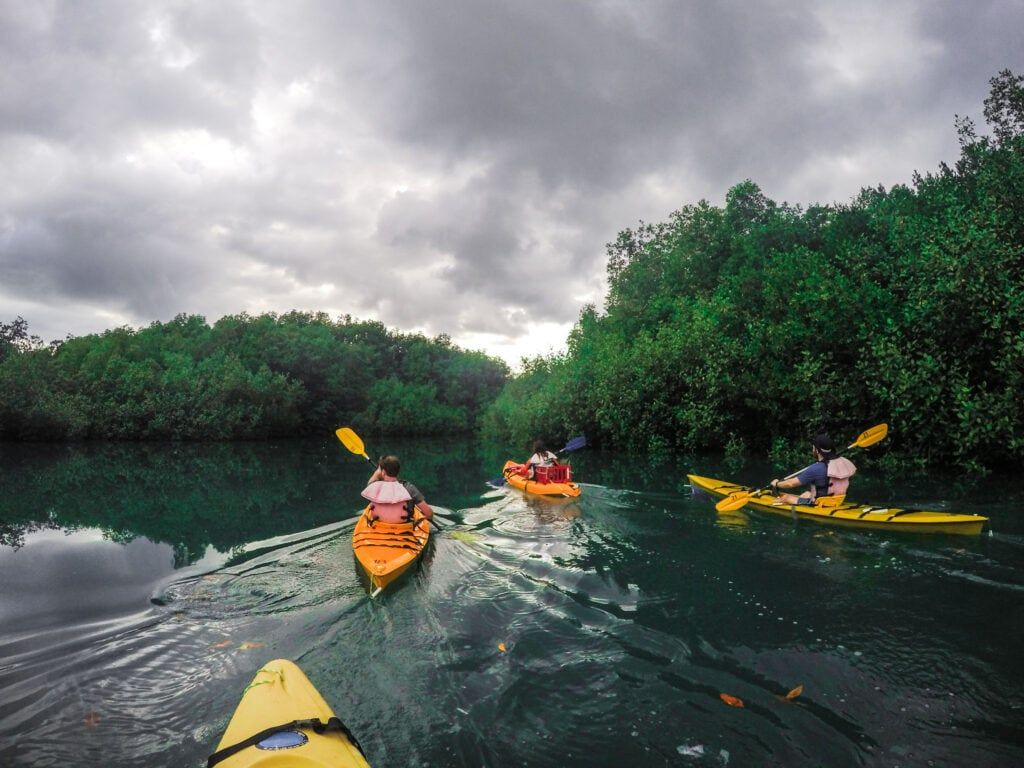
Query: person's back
column 542, row 457
column 546, row 459
column 393, row 500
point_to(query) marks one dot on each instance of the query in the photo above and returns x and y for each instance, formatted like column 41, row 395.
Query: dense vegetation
column 751, row 325
column 243, row 377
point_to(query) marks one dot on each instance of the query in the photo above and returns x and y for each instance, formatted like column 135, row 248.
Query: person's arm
column 378, row 474
column 418, row 499
column 804, row 477
column 785, row 485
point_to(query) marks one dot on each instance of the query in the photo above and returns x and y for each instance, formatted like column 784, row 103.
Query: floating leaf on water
column 794, row 693
column 247, row 646
column 732, row 701
column 501, row 647
column 464, row 536
column 222, row 644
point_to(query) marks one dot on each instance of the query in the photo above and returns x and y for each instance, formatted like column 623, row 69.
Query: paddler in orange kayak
column 392, row 500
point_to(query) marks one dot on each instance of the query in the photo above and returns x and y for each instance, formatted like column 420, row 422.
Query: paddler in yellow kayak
column 392, row 500
column 828, row 477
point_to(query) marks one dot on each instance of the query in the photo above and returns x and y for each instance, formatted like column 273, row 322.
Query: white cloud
column 452, row 168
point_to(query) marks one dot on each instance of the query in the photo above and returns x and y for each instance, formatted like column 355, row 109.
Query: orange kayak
column 386, row 550
column 513, row 478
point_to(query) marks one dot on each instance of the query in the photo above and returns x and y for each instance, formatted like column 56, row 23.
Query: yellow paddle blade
column 733, row 501
column 351, row 441
column 870, row 436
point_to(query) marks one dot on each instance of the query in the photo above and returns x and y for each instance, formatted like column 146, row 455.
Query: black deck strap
column 720, row 488
column 871, row 511
column 385, row 534
column 389, row 535
column 388, row 544
column 903, row 512
column 318, row 726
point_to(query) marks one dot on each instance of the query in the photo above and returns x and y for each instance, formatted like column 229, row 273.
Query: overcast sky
column 444, row 167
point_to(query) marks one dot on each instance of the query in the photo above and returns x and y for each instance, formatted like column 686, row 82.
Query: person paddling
column 828, row 477
column 542, row 457
column 392, row 500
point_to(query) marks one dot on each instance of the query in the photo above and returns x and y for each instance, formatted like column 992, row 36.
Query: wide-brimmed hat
column 385, row 492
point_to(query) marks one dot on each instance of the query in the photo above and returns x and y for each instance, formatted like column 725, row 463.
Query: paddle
column 868, row 437
column 573, row 445
column 353, row 442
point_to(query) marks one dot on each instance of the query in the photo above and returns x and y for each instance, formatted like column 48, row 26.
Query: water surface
column 142, row 586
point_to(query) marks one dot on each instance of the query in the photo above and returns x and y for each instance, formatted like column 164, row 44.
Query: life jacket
column 390, row 502
column 840, row 470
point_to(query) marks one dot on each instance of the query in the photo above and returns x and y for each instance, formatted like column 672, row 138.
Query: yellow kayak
column 282, row 721
column 849, row 513
column 513, row 478
column 386, row 550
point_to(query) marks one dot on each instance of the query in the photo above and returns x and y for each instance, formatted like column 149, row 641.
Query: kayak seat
column 830, row 502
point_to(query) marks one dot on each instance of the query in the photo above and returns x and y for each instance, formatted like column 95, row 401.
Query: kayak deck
column 278, row 695
column 850, row 513
column 386, row 550
column 516, row 480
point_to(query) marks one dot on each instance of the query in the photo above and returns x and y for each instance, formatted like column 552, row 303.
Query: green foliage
column 244, row 377
column 759, row 324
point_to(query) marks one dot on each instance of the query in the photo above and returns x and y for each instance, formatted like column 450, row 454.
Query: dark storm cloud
column 451, row 167
column 587, row 94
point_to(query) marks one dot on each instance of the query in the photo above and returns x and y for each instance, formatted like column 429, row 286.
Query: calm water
column 142, row 586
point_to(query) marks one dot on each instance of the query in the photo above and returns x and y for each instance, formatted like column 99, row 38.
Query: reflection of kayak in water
column 282, row 721
column 550, row 509
column 386, row 550
column 735, row 519
column 543, row 485
column 849, row 513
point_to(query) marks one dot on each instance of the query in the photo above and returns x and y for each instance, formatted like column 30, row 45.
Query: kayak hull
column 570, row 490
column 387, row 550
column 851, row 514
column 279, row 694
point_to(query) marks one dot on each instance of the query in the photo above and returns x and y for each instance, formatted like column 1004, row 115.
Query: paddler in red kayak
column 392, row 500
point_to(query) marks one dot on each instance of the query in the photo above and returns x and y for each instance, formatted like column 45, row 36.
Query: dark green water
column 142, row 586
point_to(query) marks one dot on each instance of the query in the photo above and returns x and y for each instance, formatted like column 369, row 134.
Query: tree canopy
column 757, row 322
column 243, row 377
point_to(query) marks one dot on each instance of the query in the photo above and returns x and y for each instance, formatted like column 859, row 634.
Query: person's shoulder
column 415, row 492
column 816, row 470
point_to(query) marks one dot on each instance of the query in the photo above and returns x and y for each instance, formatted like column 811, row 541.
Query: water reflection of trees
column 192, row 496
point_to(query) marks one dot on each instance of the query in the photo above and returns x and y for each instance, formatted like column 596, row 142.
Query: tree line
column 243, row 377
column 750, row 326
